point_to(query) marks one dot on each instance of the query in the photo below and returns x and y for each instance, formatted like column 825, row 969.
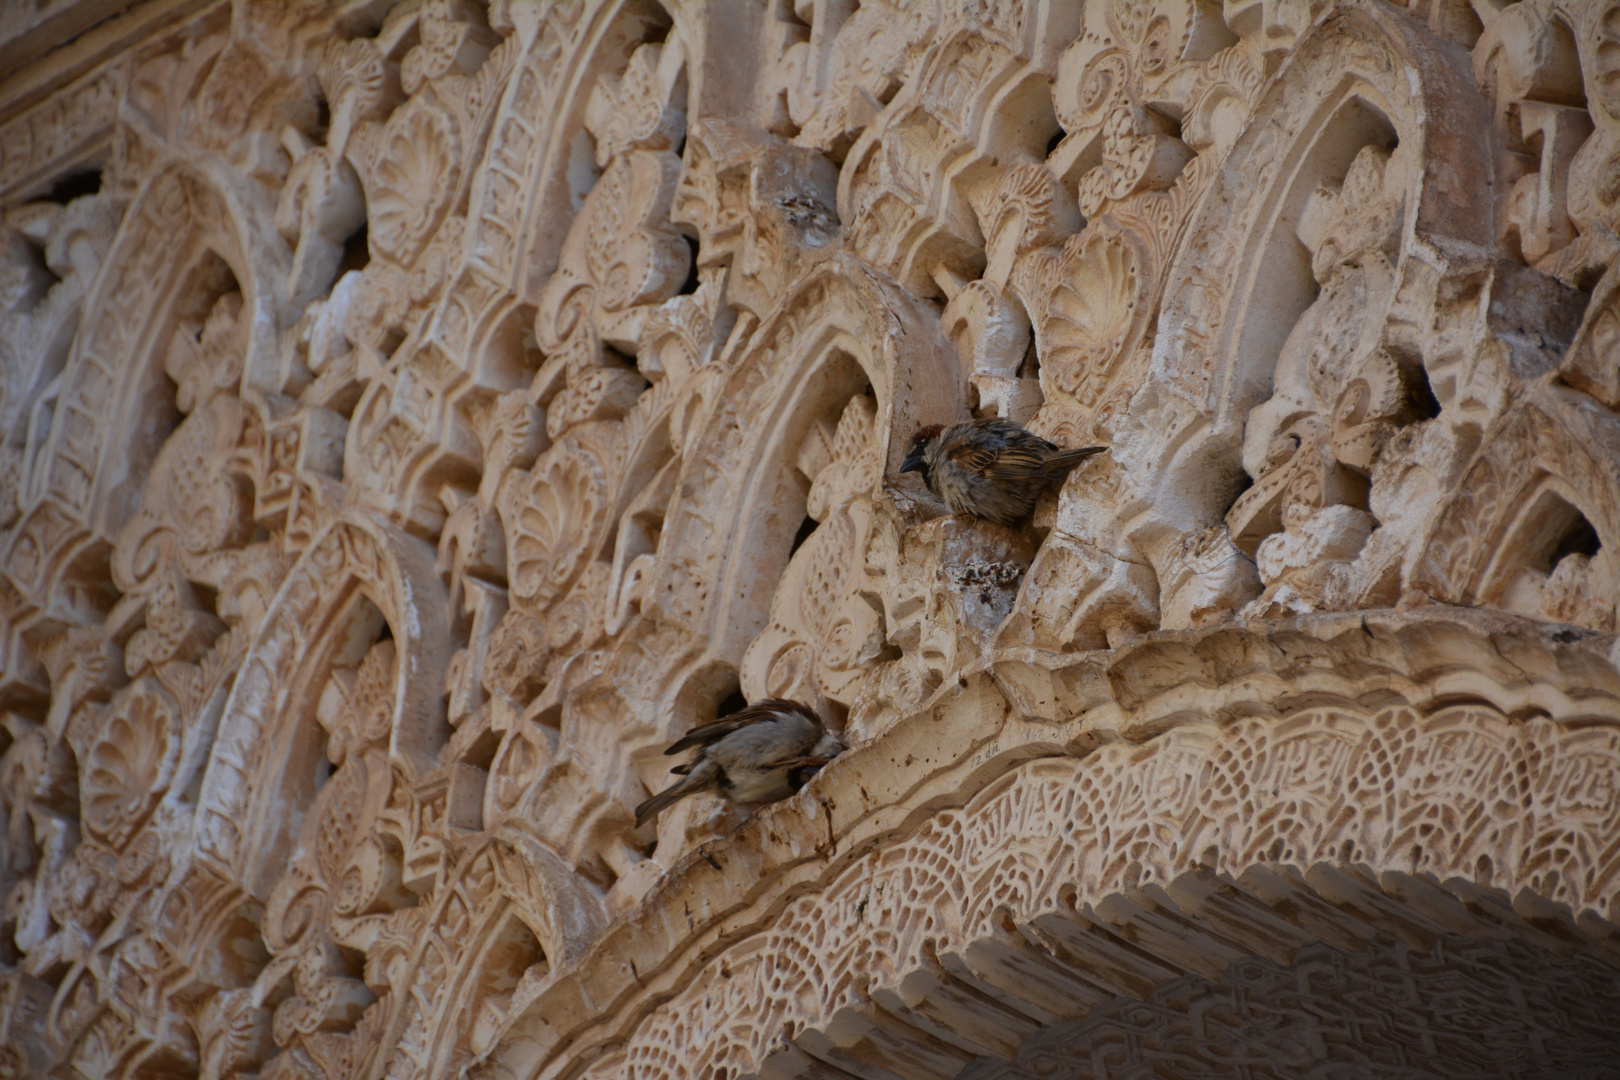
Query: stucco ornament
column 414, row 417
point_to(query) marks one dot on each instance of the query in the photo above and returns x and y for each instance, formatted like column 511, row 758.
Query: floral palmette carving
column 452, row 42
column 1310, row 492
column 651, row 264
column 642, row 109
column 209, row 509
column 129, row 767
column 360, row 82
column 1099, row 93
column 357, row 705
column 552, row 521
column 416, row 175
column 1137, row 153
column 344, row 876
column 1093, row 296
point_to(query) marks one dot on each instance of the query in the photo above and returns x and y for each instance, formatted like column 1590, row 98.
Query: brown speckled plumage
column 992, row 469
column 759, row 754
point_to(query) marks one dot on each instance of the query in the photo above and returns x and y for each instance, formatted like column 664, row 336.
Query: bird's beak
column 914, row 463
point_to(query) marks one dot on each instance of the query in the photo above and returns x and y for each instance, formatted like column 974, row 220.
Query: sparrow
column 760, row 754
column 992, row 469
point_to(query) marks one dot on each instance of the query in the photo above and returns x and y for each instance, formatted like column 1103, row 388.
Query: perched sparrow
column 763, row 753
column 991, row 469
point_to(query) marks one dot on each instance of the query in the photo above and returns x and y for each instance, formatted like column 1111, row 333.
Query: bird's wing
column 715, row 730
column 1064, row 460
column 702, row 777
column 1006, row 462
column 797, row 762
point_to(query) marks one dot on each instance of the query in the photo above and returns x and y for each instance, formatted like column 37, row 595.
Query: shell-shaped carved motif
column 554, row 516
column 415, row 177
column 130, row 765
column 1096, row 296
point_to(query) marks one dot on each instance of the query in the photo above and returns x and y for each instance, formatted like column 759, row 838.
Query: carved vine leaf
column 195, row 502
column 621, row 258
column 176, row 629
column 233, row 1035
column 1358, row 218
column 1137, row 155
column 645, row 109
column 1109, row 86
column 1338, row 399
column 345, row 890
column 206, row 360
column 453, row 42
column 834, row 84
column 360, row 83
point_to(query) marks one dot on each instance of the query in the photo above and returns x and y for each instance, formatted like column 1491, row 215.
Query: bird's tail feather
column 1064, row 460
column 696, row 781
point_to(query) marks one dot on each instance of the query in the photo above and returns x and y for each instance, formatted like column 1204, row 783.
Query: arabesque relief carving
column 414, row 417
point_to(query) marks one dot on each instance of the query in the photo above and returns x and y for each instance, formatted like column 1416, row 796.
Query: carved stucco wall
column 415, row 415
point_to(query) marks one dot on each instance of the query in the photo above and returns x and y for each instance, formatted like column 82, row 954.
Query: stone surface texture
column 413, row 416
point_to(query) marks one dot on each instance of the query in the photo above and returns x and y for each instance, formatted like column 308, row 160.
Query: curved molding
column 757, row 416
column 268, row 737
column 1322, row 754
column 840, row 326
column 1491, row 528
column 1363, row 75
